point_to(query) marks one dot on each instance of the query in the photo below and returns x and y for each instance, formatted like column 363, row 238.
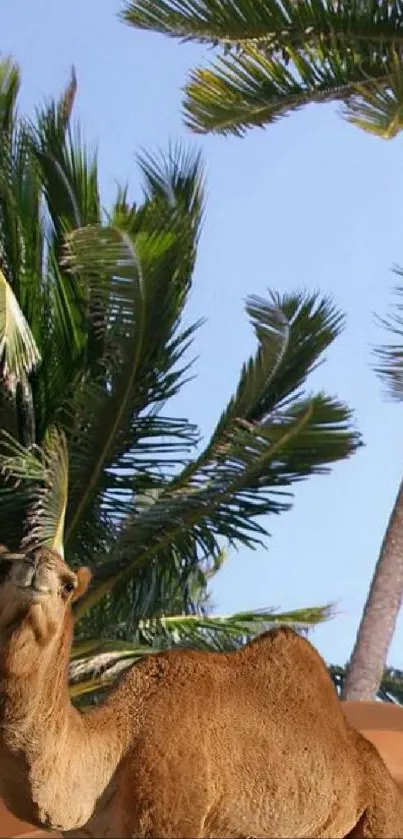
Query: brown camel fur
column 190, row 744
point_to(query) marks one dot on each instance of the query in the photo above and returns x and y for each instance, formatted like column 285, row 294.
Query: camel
column 252, row 743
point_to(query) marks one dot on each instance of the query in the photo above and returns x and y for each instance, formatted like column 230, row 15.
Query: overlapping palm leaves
column 92, row 347
column 275, row 56
column 96, row 664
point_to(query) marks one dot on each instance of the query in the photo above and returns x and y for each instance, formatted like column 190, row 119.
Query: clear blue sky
column 311, row 202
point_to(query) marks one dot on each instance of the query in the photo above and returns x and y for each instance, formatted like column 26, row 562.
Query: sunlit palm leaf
column 45, row 472
column 21, row 232
column 18, row 351
column 378, row 108
column 45, row 522
column 20, row 464
column 9, row 87
column 96, row 664
column 258, row 87
column 21, row 472
column 208, row 631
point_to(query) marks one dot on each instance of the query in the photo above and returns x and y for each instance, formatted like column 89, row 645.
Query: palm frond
column 176, row 177
column 293, row 332
column 135, row 282
column 376, row 105
column 257, row 87
column 222, row 632
column 21, row 233
column 18, row 463
column 19, row 353
column 269, row 22
column 72, row 337
column 89, row 423
column 97, row 663
column 173, row 203
column 283, row 55
column 137, row 270
column 46, row 517
column 92, row 335
column 44, row 472
column 213, row 21
column 389, row 364
column 68, row 170
column 9, row 88
column 270, row 436
column 21, row 470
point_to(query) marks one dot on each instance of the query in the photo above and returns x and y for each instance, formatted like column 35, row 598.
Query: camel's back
column 275, row 687
column 268, row 713
column 279, row 674
column 279, row 684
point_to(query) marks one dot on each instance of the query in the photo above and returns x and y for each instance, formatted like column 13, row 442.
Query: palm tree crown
column 93, row 347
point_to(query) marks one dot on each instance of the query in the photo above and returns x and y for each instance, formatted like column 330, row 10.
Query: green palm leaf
column 19, row 353
column 268, row 21
column 45, row 472
column 68, row 170
column 257, row 87
column 90, row 457
column 389, row 364
column 174, row 183
column 97, row 663
column 283, row 55
column 9, row 87
column 270, row 436
column 142, row 274
column 46, row 518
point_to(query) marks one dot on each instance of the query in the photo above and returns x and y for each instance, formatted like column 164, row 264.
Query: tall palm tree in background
column 273, row 57
column 92, row 348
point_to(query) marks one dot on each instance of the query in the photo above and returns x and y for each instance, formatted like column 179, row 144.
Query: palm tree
column 275, row 56
column 365, row 669
column 92, row 347
column 390, row 689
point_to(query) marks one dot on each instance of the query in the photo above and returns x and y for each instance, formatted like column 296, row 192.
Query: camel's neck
column 54, row 762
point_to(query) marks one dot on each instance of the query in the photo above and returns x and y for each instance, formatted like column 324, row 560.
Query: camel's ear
column 83, row 580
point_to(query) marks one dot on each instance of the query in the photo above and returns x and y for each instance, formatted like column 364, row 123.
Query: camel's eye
column 68, row 586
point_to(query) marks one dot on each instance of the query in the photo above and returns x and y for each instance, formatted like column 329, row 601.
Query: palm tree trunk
column 365, row 669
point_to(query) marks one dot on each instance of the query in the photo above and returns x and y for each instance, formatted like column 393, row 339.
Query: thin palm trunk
column 368, row 660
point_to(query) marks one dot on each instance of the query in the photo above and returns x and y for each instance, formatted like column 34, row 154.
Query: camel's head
column 38, row 581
